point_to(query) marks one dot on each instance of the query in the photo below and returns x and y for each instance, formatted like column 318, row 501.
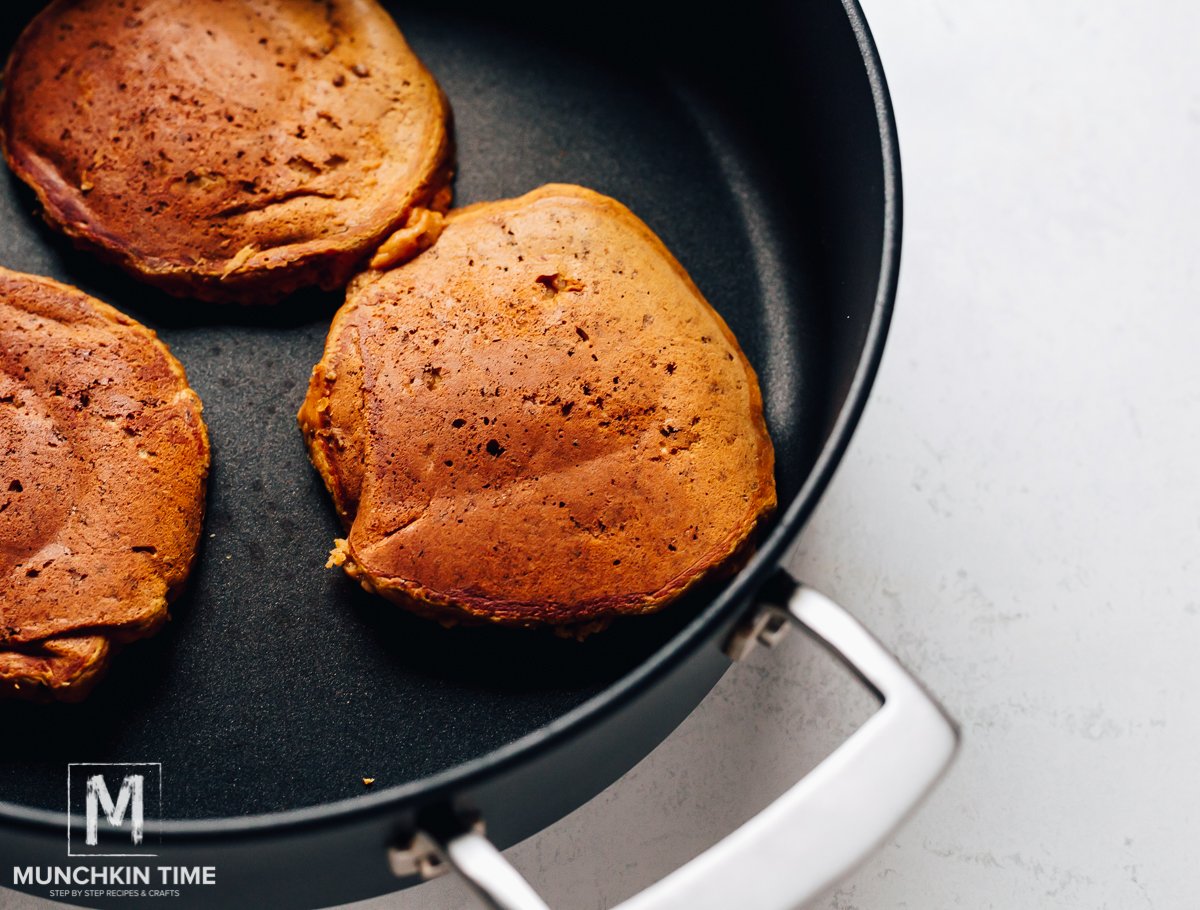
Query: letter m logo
column 98, row 798
column 113, row 799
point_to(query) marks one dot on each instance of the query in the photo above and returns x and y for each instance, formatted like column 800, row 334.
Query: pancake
column 230, row 151
column 105, row 458
column 537, row 420
column 62, row 668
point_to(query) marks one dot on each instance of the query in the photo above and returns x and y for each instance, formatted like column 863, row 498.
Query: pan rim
column 690, row 638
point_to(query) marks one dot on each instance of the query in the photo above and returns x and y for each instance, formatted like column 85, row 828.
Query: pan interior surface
column 279, row 684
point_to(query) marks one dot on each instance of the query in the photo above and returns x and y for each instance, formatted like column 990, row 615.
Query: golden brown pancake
column 231, row 151
column 65, row 669
column 538, row 419
column 102, row 481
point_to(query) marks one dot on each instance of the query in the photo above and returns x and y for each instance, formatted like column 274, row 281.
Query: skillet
column 761, row 147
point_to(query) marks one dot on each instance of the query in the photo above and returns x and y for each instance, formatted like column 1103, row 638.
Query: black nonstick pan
column 759, row 144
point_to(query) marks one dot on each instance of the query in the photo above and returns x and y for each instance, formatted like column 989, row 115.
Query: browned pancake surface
column 230, row 150
column 65, row 669
column 538, row 419
column 103, row 461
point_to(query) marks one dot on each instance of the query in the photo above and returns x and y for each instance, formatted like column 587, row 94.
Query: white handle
column 822, row 827
column 834, row 818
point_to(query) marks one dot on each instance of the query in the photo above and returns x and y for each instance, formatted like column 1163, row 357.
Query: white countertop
column 1019, row 513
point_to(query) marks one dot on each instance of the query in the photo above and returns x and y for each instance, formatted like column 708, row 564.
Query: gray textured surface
column 1019, row 514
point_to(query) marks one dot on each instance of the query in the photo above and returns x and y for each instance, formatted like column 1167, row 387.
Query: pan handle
column 820, row 829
